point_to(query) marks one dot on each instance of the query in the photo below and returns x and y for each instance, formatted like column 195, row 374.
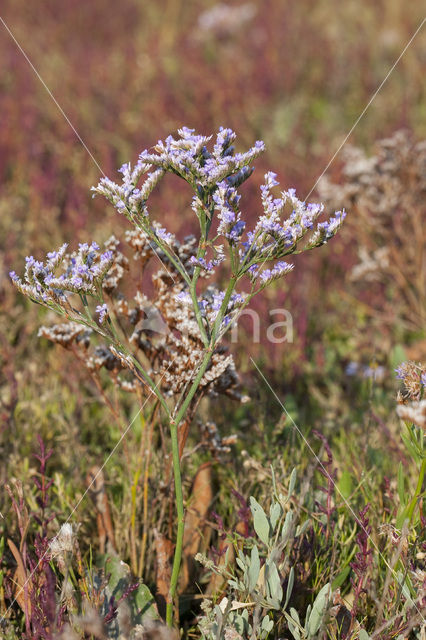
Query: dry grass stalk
column 21, row 593
column 385, row 194
column 164, row 551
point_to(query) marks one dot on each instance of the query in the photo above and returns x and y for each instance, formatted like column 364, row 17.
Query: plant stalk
column 174, row 424
column 418, row 491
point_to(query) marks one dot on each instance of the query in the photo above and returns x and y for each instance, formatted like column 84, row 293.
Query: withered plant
column 385, row 193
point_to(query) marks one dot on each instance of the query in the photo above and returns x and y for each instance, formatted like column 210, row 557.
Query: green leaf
column 286, row 530
column 301, row 528
column 292, row 483
column 119, row 573
column 401, row 485
column 140, row 601
column 254, row 569
column 398, row 355
column 289, row 590
column 404, row 583
column 274, row 482
column 411, row 447
column 345, row 484
column 273, row 583
column 267, row 624
column 275, row 512
column 402, row 516
column 308, row 613
column 260, row 521
column 294, row 615
column 318, row 610
column 144, row 604
column 340, row 578
column 363, row 635
column 294, row 630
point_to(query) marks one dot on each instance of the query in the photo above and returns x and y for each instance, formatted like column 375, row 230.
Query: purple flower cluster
column 215, row 171
column 215, row 175
column 163, row 234
column 374, row 372
column 410, row 369
column 226, row 200
column 280, row 269
column 187, row 156
column 83, row 272
column 207, row 265
column 212, row 303
column 273, row 238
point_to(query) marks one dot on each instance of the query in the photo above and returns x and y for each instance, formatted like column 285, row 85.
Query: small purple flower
column 330, row 227
column 352, row 368
column 400, row 371
column 13, row 276
column 102, row 310
column 270, row 181
column 280, row 269
column 76, row 281
column 236, row 232
column 423, row 379
column 217, row 301
column 266, row 275
column 237, row 299
column 201, row 262
column 164, row 235
column 375, row 373
column 253, row 272
column 83, row 270
column 125, row 168
column 202, row 305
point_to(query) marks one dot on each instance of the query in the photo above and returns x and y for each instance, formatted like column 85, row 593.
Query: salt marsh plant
column 85, row 285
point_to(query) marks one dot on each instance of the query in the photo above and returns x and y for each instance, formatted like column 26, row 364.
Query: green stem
column 418, row 491
column 197, row 311
column 173, row 259
column 205, row 222
column 174, row 424
column 222, row 311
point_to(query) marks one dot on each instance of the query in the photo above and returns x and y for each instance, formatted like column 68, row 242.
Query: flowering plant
column 66, row 281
